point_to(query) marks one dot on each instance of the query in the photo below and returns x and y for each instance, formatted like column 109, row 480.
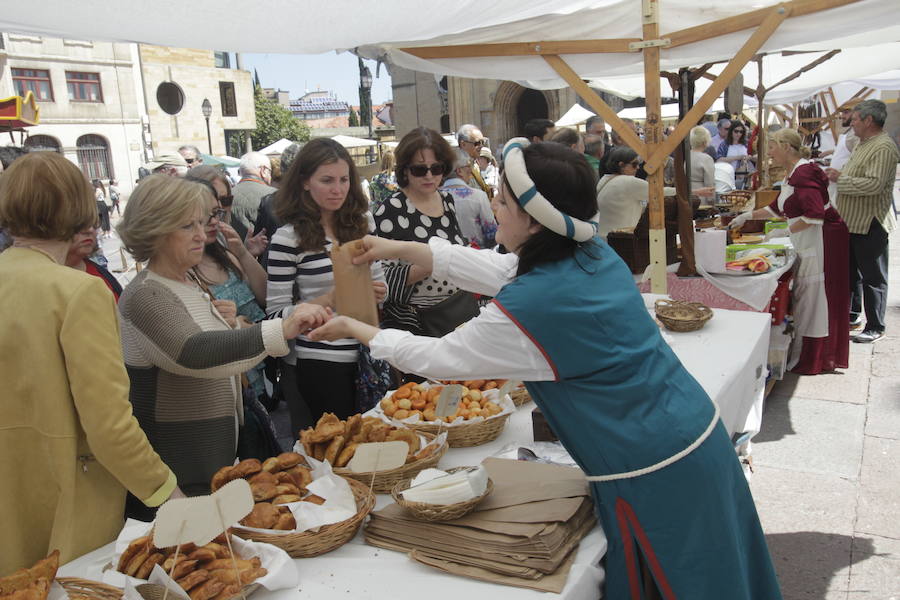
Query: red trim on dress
column 634, row 581
column 625, row 515
column 530, row 337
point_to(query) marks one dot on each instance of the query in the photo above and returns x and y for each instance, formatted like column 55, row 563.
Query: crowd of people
column 153, row 388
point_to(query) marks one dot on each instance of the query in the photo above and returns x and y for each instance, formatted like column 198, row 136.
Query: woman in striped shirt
column 320, row 201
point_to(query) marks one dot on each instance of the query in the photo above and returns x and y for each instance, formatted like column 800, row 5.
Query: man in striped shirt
column 865, row 201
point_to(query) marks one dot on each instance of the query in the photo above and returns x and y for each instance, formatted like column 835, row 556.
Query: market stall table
column 727, row 357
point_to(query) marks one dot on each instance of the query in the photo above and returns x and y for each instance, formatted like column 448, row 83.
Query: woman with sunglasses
column 183, row 351
column 734, row 151
column 417, row 212
column 622, row 197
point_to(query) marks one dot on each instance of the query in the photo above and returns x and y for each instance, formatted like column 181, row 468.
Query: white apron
column 810, row 303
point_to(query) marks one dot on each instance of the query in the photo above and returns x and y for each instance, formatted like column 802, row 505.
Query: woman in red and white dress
column 820, row 293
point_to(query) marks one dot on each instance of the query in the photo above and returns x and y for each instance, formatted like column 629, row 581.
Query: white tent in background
column 668, row 111
column 574, row 116
column 277, row 147
column 348, row 141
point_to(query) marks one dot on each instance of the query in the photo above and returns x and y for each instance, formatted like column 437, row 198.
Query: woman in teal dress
column 568, row 320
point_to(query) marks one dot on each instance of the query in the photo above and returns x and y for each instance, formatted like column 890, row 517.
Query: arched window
column 93, row 157
column 42, row 143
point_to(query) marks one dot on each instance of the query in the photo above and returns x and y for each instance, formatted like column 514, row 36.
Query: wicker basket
column 85, row 589
column 154, row 591
column 385, row 480
column 438, row 512
column 307, row 544
column 682, row 316
column 467, row 434
column 520, row 396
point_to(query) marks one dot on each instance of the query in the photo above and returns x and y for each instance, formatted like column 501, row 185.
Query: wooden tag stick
column 237, row 572
column 174, row 560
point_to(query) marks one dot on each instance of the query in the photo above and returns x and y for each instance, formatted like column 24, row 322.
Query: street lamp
column 206, row 107
column 365, row 94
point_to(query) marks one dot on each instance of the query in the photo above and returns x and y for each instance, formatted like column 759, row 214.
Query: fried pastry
column 289, row 459
column 314, row 499
column 246, row 576
column 182, row 568
column 271, row 465
column 263, row 516
column 153, row 559
column 286, row 522
column 133, row 548
column 136, row 561
column 405, row 435
column 263, row 477
column 207, row 589
column 327, row 427
column 193, row 579
column 287, row 488
column 38, row 589
column 263, row 491
column 346, row 454
column 202, row 554
column 228, row 563
column 246, row 467
column 286, row 498
column 301, row 476
column 218, row 549
column 229, row 591
column 24, row 580
column 334, row 448
column 221, row 477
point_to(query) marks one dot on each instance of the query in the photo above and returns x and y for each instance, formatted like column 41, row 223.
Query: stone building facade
column 176, row 81
column 88, row 94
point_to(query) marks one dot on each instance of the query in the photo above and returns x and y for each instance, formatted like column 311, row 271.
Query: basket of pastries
column 336, row 441
column 208, row 572
column 443, row 496
column 480, row 416
column 281, row 481
column 32, row 583
column 682, row 316
column 520, row 396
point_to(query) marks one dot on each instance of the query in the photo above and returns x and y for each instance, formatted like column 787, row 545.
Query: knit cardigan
column 184, row 362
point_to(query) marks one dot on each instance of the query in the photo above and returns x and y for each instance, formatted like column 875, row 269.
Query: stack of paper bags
column 523, row 534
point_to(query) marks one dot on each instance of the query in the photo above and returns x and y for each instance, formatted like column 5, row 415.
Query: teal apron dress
column 671, row 487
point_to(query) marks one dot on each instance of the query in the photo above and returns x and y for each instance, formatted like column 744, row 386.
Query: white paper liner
column 282, row 572
column 57, row 591
column 505, row 403
column 340, row 503
column 424, row 442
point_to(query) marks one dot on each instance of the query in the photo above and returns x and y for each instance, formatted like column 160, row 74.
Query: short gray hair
column 288, row 156
column 724, row 123
column 252, row 162
column 461, row 158
column 592, row 143
column 193, row 149
column 700, row 137
column 872, row 108
column 465, row 132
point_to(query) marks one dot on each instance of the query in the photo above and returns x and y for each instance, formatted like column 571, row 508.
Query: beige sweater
column 184, row 362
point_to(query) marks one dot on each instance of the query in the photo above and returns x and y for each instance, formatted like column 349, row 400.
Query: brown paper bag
column 353, row 293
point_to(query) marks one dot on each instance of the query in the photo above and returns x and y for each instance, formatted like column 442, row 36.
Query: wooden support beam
column 804, row 69
column 652, row 140
column 776, row 16
column 748, row 20
column 523, row 49
column 596, row 102
column 834, row 115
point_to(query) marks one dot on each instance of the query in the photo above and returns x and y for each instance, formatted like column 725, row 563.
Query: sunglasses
column 190, row 161
column 739, row 131
column 476, row 143
column 422, row 170
column 226, row 201
column 217, row 214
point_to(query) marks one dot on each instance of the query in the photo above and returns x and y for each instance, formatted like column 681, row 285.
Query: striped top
column 865, row 187
column 312, row 274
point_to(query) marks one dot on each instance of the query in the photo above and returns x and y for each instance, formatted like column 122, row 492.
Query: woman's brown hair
column 418, row 139
column 45, row 196
column 295, row 206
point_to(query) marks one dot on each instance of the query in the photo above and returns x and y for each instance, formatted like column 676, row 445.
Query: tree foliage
column 274, row 122
column 353, row 120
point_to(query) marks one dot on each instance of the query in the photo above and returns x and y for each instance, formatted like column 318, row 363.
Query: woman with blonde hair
column 384, row 184
column 820, row 293
column 68, row 438
column 185, row 352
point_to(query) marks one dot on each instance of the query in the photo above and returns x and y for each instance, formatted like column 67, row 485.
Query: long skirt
column 103, row 212
column 822, row 355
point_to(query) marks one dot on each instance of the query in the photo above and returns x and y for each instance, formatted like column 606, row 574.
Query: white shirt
column 473, row 211
column 489, row 346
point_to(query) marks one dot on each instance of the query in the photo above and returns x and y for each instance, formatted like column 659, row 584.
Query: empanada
column 334, row 448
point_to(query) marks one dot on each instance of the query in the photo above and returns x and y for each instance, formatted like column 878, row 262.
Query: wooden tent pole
column 652, row 139
column 762, row 162
column 747, row 51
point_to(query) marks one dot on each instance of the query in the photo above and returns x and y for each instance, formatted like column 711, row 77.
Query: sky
column 298, row 73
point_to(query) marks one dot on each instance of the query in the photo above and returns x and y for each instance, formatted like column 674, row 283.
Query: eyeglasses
column 422, row 170
column 190, row 161
column 226, row 201
column 476, row 143
column 217, row 214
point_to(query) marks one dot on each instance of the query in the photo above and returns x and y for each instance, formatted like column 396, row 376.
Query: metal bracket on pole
column 663, row 43
column 649, row 12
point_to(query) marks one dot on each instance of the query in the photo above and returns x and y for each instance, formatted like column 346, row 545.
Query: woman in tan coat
column 69, row 443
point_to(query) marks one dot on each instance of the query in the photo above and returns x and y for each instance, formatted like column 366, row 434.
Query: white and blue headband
column 534, row 203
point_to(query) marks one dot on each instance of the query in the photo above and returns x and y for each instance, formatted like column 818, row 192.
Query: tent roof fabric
column 574, row 116
column 276, row 147
column 353, row 142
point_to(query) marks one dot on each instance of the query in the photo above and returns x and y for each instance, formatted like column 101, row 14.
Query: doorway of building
column 532, row 104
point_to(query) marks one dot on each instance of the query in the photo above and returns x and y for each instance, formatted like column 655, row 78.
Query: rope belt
column 666, row 462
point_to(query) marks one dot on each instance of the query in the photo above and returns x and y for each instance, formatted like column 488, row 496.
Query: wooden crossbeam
column 804, row 69
column 776, row 16
column 539, row 48
column 596, row 102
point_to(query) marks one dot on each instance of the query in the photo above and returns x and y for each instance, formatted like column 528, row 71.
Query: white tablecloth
column 727, row 357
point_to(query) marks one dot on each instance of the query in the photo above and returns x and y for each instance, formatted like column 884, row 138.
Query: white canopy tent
column 575, row 116
column 668, row 111
column 545, row 45
column 348, row 141
column 277, row 147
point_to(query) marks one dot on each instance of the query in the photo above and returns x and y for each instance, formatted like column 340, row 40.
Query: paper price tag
column 509, row 386
column 448, row 400
column 379, row 456
column 202, row 518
